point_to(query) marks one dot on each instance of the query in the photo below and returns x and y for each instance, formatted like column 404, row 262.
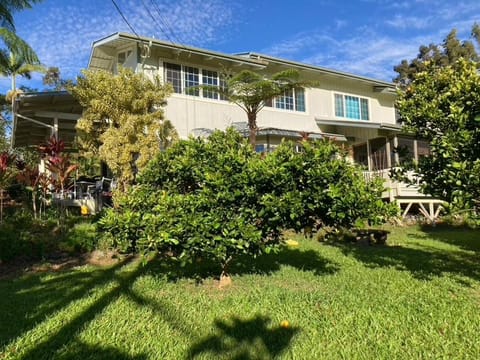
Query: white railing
column 393, row 188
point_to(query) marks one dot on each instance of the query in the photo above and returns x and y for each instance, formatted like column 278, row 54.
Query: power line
column 156, row 22
column 124, row 18
column 164, row 21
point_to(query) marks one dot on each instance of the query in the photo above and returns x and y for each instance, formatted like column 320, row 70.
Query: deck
column 407, row 196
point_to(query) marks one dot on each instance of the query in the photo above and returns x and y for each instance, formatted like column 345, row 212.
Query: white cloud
column 64, row 36
column 408, row 22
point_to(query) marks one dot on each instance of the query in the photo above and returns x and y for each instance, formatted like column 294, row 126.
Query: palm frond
column 18, row 46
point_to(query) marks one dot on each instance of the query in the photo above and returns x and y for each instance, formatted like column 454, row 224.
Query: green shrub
column 82, row 237
column 218, row 199
column 22, row 235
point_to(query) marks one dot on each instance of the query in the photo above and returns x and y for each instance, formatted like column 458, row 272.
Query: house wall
column 188, row 112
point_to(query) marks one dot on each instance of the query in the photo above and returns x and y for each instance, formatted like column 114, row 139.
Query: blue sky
column 364, row 37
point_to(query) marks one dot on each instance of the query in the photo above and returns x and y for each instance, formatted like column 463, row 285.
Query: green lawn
column 418, row 298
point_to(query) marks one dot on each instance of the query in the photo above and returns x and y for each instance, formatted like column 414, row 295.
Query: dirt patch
column 56, row 262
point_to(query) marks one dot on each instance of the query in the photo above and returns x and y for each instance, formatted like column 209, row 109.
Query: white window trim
column 162, row 68
column 294, row 110
column 345, row 106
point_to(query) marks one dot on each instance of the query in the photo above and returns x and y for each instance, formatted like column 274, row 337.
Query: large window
column 351, row 107
column 191, row 80
column 293, row 99
column 173, row 75
column 209, row 78
column 188, row 80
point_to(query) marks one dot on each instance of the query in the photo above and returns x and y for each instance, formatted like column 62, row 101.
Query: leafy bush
column 82, row 237
column 21, row 235
column 217, row 198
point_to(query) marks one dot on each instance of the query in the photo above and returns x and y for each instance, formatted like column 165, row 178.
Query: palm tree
column 13, row 44
column 251, row 91
column 8, row 6
column 16, row 56
column 19, row 65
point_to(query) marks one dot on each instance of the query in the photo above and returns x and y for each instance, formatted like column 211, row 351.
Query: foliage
column 250, row 91
column 6, row 174
column 123, row 120
column 7, row 7
column 19, row 65
column 4, row 123
column 58, row 163
column 445, row 54
column 22, row 236
column 417, row 299
column 218, row 199
column 53, row 79
column 442, row 105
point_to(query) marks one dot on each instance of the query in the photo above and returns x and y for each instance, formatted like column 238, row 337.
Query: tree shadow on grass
column 423, row 262
column 63, row 344
column 28, row 300
column 242, row 339
column 302, row 260
column 80, row 350
column 460, row 236
column 266, row 264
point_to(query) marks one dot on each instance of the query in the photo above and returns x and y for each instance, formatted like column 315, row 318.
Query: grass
column 418, row 298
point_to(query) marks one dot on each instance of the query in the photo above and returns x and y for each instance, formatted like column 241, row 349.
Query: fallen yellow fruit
column 285, row 324
column 291, row 243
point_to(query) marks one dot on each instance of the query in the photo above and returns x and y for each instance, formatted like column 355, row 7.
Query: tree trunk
column 225, row 279
column 252, row 127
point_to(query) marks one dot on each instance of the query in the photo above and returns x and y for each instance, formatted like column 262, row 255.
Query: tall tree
column 444, row 54
column 7, row 7
column 442, row 105
column 19, row 65
column 251, row 91
column 10, row 42
column 53, row 79
column 123, row 120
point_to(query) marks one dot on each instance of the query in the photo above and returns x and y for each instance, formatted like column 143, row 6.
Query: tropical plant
column 442, row 105
column 19, row 65
column 6, row 160
column 251, row 92
column 216, row 198
column 58, row 163
column 123, row 120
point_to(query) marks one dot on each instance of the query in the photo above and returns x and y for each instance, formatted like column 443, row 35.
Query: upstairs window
column 293, row 99
column 191, row 80
column 209, row 78
column 187, row 80
column 123, row 56
column 173, row 75
column 351, row 107
column 285, row 101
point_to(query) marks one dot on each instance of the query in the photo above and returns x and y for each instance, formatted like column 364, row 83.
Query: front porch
column 380, row 147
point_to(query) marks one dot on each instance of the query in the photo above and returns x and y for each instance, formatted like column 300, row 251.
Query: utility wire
column 157, row 23
column 124, row 18
column 167, row 26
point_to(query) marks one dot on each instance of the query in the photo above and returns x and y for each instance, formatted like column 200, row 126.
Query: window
column 351, row 107
column 293, row 99
column 300, row 99
column 173, row 75
column 209, row 78
column 191, row 81
column 123, row 56
column 187, row 80
column 285, row 101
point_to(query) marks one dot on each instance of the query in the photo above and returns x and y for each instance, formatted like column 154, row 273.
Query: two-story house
column 356, row 111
